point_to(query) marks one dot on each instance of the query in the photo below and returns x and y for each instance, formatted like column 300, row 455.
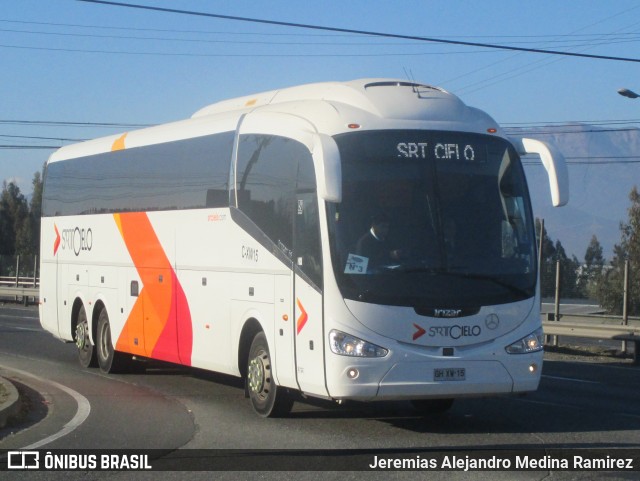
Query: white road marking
column 570, row 406
column 82, row 413
column 7, row 316
column 32, row 329
column 570, row 379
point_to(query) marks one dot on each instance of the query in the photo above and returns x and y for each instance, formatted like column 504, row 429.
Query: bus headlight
column 347, row 345
column 534, row 342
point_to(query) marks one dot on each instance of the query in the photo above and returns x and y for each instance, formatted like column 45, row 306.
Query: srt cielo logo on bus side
column 76, row 239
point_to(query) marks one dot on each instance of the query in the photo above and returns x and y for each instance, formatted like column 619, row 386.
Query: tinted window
column 276, row 189
column 431, row 219
column 266, row 179
column 185, row 174
column 307, row 224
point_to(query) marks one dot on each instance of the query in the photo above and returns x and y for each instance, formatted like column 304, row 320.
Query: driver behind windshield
column 374, row 244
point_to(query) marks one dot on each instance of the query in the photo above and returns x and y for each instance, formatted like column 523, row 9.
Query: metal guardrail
column 26, row 281
column 20, row 292
column 585, row 329
column 596, row 327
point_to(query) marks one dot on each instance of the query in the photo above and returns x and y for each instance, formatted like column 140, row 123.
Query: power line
column 62, row 123
column 565, row 43
column 512, row 129
column 594, row 163
column 594, row 160
column 32, row 137
column 537, row 64
column 231, row 55
column 603, row 157
column 554, row 132
column 583, row 37
column 545, row 123
column 208, row 32
column 361, row 32
column 28, row 147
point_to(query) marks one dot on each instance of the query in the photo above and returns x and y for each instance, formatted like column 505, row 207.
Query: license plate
column 449, row 374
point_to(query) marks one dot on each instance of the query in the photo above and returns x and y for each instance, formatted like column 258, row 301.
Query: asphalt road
column 579, row 404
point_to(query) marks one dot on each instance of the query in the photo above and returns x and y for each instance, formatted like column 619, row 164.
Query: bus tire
column 109, row 360
column 267, row 398
column 432, row 406
column 86, row 350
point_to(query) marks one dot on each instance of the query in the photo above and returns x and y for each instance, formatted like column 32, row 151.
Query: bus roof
column 329, row 106
column 374, row 98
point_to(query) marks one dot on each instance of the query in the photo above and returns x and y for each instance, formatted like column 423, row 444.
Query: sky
column 68, row 65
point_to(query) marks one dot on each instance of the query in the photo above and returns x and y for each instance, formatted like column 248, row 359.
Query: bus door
column 284, row 333
column 274, row 182
column 308, row 310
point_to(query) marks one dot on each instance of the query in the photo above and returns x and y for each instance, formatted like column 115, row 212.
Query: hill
column 604, row 165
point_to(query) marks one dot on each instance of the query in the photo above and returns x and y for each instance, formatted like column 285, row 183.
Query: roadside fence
column 19, row 278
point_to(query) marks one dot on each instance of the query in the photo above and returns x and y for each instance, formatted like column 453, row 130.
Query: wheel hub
column 81, row 335
column 255, row 375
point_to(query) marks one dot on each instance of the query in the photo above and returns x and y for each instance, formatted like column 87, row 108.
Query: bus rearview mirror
column 326, row 158
column 554, row 164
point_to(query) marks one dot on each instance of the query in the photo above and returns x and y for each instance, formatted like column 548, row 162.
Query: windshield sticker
column 356, row 264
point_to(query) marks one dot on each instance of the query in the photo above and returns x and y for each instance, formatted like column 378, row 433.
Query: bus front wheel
column 267, row 399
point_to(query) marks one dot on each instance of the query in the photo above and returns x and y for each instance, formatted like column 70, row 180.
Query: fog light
column 533, row 368
column 353, row 373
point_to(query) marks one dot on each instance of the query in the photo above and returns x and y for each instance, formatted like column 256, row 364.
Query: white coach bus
column 367, row 240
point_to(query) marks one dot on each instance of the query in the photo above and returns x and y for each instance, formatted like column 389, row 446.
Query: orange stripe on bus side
column 303, row 318
column 118, row 144
column 160, row 318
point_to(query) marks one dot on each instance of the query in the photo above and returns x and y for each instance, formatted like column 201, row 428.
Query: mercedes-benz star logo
column 492, row 321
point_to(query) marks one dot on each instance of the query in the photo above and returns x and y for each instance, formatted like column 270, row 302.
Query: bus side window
column 266, row 185
column 307, row 247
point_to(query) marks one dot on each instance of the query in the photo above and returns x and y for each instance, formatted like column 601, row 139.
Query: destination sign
column 440, row 151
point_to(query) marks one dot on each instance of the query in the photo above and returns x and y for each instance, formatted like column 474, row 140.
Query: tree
column 610, row 290
column 35, row 211
column 547, row 264
column 568, row 272
column 15, row 231
column 551, row 254
column 592, row 268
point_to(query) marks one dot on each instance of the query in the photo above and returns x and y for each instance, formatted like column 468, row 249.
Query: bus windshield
column 432, row 219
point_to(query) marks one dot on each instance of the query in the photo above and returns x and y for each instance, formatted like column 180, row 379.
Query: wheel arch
column 250, row 329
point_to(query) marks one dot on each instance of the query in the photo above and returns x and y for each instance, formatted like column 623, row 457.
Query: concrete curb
column 11, row 405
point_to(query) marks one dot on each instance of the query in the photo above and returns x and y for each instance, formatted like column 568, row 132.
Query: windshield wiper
column 469, row 275
column 494, row 279
column 424, row 269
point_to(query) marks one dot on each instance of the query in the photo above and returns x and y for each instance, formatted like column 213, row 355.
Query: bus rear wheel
column 86, row 349
column 109, row 360
column 267, row 398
